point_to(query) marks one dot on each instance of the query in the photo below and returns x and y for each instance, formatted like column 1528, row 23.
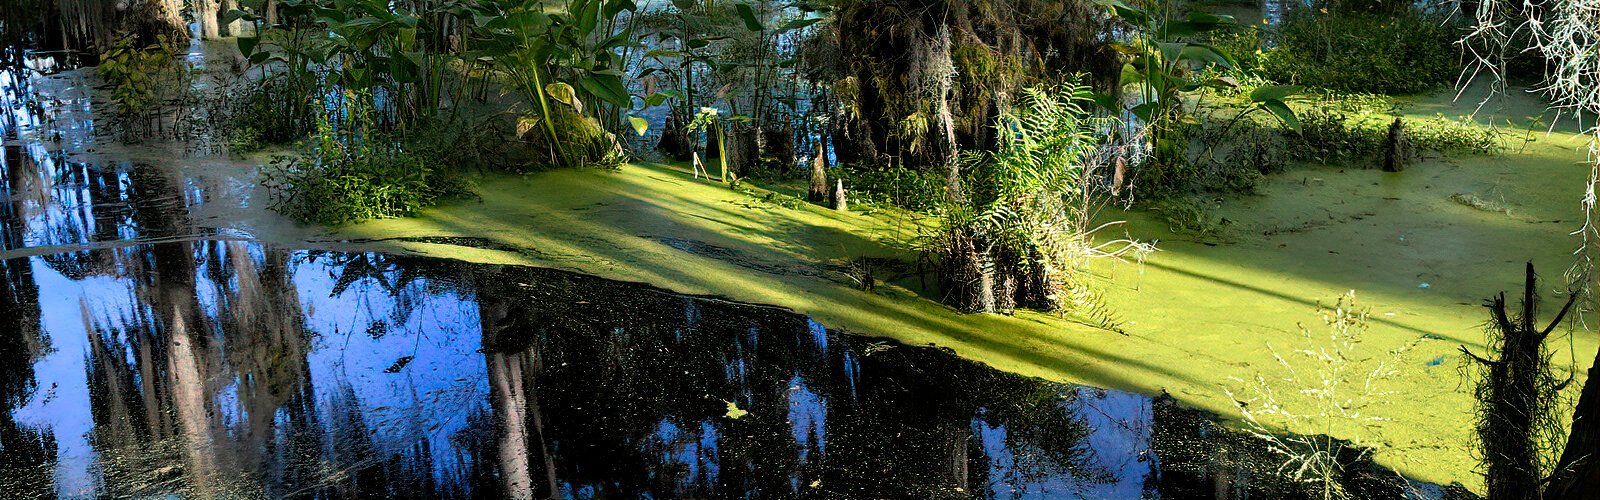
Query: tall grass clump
column 1327, row 386
column 1017, row 223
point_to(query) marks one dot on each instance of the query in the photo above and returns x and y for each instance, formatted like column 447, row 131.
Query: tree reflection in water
column 229, row 369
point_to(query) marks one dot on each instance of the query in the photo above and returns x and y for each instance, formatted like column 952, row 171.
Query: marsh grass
column 1328, row 385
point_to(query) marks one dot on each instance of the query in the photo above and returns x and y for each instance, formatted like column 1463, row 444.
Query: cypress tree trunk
column 234, row 28
column 205, row 12
column 1578, row 471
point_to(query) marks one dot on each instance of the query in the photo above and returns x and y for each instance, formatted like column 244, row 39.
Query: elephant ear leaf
column 749, row 16
column 606, row 86
column 1266, row 93
column 1282, row 111
column 565, row 94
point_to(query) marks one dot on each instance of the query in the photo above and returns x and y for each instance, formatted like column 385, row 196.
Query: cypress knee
column 838, row 197
column 819, row 178
column 1395, row 150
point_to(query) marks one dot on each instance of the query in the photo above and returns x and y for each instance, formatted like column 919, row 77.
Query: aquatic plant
column 1328, row 386
column 142, row 78
column 1166, row 61
column 921, row 191
column 1335, row 136
column 341, row 180
column 1017, row 226
column 572, row 57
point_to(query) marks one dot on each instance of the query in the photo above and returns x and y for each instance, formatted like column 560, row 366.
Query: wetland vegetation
column 810, row 248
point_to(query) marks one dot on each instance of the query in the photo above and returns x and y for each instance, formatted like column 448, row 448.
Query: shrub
column 345, row 180
column 1018, row 233
column 1215, row 157
column 921, row 191
column 1336, row 136
column 262, row 115
column 1403, row 53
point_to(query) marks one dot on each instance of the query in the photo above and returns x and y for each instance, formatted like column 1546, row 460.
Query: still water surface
column 231, row 369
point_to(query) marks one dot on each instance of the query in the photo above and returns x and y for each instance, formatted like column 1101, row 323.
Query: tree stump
column 1396, row 149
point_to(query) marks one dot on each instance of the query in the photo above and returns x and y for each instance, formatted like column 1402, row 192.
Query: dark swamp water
column 231, row 369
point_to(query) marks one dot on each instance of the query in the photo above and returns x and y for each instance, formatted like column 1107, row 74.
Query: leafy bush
column 1018, row 232
column 261, row 116
column 344, row 180
column 1336, row 136
column 1403, row 53
column 922, row 191
column 1212, row 157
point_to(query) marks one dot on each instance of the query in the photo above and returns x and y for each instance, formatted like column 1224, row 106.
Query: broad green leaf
column 749, row 16
column 1206, row 54
column 1274, row 92
column 236, row 14
column 565, row 94
column 640, row 125
column 1106, row 101
column 607, row 87
column 1282, row 111
column 614, row 7
column 247, row 44
column 1172, row 51
column 1130, row 74
column 1146, row 111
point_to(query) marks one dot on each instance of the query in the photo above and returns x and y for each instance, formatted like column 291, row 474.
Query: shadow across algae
column 231, row 369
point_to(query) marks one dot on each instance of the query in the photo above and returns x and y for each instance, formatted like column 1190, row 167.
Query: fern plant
column 1018, row 221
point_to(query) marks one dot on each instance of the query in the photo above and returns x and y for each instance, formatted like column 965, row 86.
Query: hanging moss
column 951, row 63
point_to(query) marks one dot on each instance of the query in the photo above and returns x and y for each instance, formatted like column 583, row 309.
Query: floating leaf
column 734, row 412
column 639, row 125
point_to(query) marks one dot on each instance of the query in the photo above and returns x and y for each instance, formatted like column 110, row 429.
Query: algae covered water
column 228, row 369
